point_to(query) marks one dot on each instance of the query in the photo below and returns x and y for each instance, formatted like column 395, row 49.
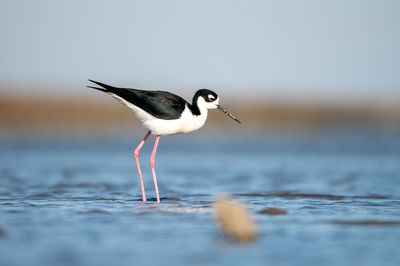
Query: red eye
column 211, row 99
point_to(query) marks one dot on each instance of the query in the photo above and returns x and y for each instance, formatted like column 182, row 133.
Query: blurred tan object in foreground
column 235, row 220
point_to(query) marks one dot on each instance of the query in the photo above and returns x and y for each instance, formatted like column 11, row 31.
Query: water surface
column 70, row 201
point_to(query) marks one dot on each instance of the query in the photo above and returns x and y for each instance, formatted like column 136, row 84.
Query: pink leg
column 153, row 155
column 136, row 154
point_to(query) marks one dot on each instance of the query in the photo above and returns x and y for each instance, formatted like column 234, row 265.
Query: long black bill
column 226, row 112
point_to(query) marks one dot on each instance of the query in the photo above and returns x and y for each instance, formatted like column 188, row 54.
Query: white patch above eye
column 211, row 97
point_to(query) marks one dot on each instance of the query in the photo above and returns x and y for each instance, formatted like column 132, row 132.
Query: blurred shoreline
column 66, row 114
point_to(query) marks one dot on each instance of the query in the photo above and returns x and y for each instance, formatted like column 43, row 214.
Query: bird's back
column 159, row 104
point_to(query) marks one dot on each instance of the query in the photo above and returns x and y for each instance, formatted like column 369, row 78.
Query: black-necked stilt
column 163, row 113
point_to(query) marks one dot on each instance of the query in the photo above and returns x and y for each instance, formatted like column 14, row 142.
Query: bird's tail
column 105, row 87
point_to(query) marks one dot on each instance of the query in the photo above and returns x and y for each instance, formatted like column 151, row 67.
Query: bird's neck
column 197, row 109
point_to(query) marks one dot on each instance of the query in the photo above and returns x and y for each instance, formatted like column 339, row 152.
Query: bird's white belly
column 185, row 124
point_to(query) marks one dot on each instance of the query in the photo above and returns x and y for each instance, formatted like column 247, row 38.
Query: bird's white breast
column 185, row 124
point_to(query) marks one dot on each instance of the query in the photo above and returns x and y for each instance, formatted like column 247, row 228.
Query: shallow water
column 74, row 201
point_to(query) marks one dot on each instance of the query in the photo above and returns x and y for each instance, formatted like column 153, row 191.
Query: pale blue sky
column 305, row 48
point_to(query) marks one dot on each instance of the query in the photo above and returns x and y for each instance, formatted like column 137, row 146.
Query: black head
column 208, row 96
column 209, row 99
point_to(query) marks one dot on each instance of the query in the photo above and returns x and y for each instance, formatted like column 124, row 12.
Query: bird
column 163, row 113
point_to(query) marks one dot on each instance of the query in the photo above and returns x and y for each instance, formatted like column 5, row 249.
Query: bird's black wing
column 160, row 104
